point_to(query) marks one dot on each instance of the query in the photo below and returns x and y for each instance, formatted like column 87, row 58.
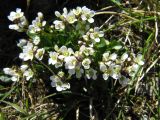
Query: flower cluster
column 94, row 35
column 37, row 24
column 57, row 82
column 78, row 14
column 79, row 58
column 13, row 73
column 24, row 72
column 114, row 65
column 30, row 49
column 76, row 63
column 19, row 20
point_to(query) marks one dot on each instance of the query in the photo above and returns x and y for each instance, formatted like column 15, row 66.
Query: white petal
column 71, row 71
column 59, row 88
column 124, row 56
column 57, row 14
column 18, row 10
column 53, row 84
column 113, row 56
column 97, row 39
column 14, row 27
column 83, row 17
column 141, row 62
column 102, row 67
column 115, row 76
column 105, row 76
column 24, row 67
column 14, row 78
column 118, row 47
column 101, row 34
column 40, row 14
column 58, row 64
column 90, row 20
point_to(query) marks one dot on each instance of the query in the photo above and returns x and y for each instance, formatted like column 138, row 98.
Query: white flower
column 53, row 58
column 36, row 40
column 91, row 73
column 28, row 74
column 139, row 59
column 105, row 76
column 87, row 14
column 59, row 25
column 14, row 75
column 132, row 69
column 102, row 66
column 9, row 71
column 77, row 11
column 62, row 87
column 107, row 56
column 63, row 16
column 61, row 74
column 19, row 19
column 124, row 56
column 135, row 67
column 86, row 50
column 15, row 15
column 107, row 72
column 64, row 51
column 71, row 62
column 54, row 79
column 39, row 54
column 86, row 37
column 27, row 52
column 96, row 35
column 22, row 42
column 70, row 18
column 86, row 63
column 37, row 24
column 115, row 71
column 56, row 82
column 78, row 71
column 19, row 26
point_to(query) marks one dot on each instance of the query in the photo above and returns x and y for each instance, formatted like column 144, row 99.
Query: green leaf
column 101, row 44
column 113, row 45
column 1, row 95
column 8, row 93
column 148, row 43
column 15, row 106
column 1, row 86
column 5, row 79
column 2, row 117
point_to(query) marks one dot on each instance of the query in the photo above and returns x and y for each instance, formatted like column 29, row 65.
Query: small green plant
column 80, row 59
column 70, row 48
